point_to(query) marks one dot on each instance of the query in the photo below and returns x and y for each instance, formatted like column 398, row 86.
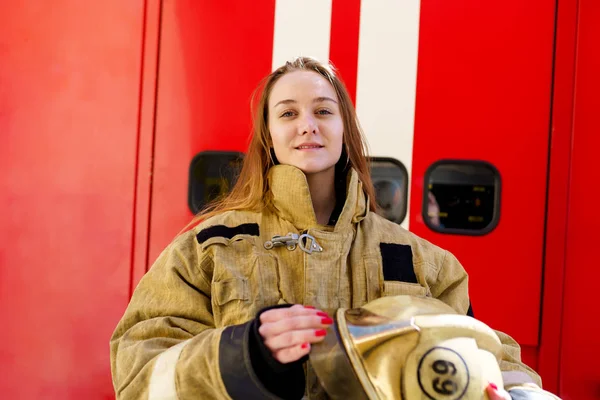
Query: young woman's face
column 305, row 122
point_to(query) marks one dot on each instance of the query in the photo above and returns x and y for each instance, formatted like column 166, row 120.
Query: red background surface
column 69, row 102
column 103, row 106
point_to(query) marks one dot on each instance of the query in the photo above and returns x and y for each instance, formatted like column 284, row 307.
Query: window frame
column 406, row 186
column 190, row 194
column 497, row 197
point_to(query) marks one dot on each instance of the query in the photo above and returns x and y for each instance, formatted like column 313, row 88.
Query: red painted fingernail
column 326, row 321
column 311, row 307
column 320, row 332
column 322, row 314
column 493, row 385
column 304, row 345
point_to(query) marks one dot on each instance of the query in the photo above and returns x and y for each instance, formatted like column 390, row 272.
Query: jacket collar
column 290, row 197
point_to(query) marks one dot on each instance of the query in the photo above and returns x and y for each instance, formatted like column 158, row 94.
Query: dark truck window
column 212, row 174
column 462, row 197
column 390, row 180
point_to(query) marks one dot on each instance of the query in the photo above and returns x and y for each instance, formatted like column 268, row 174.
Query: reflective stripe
column 302, row 28
column 162, row 381
column 387, row 78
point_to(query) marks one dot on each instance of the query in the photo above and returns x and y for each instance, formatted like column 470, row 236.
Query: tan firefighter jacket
column 182, row 335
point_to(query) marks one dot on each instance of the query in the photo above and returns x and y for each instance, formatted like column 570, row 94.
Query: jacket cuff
column 261, row 356
column 248, row 369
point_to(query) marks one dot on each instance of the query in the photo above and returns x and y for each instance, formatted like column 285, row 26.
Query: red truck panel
column 483, row 92
column 69, row 94
column 212, row 56
column 580, row 351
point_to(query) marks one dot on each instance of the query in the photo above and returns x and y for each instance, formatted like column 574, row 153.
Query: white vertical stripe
column 387, row 77
column 162, row 381
column 302, row 28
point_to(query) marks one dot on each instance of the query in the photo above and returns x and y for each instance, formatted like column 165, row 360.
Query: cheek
column 339, row 137
column 279, row 138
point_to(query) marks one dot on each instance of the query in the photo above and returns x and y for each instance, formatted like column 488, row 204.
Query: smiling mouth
column 309, row 147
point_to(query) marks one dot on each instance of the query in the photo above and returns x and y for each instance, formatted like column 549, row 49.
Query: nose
column 307, row 125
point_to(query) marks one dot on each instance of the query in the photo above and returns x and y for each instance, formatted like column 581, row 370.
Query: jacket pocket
column 265, row 285
column 394, row 288
column 231, row 289
column 231, row 302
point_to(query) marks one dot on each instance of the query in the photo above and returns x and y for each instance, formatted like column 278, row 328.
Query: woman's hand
column 289, row 332
column 496, row 394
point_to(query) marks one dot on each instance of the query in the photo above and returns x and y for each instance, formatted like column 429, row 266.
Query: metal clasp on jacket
column 306, row 242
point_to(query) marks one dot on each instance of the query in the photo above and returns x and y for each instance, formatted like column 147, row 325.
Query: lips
column 308, row 146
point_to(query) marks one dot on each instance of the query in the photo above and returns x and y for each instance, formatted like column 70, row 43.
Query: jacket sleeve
column 166, row 345
column 451, row 287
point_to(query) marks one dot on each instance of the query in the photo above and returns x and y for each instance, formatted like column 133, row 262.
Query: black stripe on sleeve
column 227, row 232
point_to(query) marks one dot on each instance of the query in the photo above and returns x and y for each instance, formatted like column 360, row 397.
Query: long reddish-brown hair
column 250, row 191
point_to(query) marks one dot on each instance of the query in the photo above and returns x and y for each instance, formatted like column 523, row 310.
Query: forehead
column 301, row 86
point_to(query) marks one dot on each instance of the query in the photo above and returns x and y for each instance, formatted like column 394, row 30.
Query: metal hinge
column 306, row 242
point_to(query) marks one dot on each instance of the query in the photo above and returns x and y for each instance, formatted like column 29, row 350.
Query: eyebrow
column 316, row 100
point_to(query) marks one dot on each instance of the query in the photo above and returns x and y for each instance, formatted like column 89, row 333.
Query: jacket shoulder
column 381, row 230
column 229, row 218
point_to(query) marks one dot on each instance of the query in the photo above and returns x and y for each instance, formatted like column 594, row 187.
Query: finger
column 316, row 321
column 277, row 314
column 294, row 338
column 495, row 394
column 291, row 354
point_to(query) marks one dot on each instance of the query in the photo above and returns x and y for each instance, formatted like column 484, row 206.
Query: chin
column 314, row 169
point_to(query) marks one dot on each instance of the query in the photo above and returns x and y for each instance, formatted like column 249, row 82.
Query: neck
column 322, row 193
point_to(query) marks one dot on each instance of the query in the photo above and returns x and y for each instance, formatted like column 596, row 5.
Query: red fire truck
column 120, row 119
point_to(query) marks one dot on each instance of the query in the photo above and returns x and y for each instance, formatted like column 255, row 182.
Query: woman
column 232, row 306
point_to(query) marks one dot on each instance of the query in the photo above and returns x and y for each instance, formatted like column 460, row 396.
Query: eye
column 287, row 114
column 324, row 111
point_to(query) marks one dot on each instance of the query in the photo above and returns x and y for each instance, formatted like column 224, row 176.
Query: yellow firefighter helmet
column 409, row 348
